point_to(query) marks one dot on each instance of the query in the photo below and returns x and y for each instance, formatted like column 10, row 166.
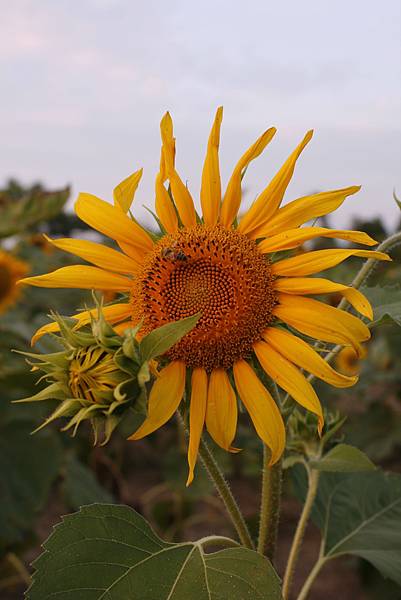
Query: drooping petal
column 112, row 222
column 232, row 197
column 320, row 260
column 210, row 194
column 302, row 354
column 196, row 417
column 120, row 328
column 112, row 314
column 81, row 276
column 182, row 198
column 124, row 192
column 268, row 202
column 323, row 322
column 164, row 206
column 292, row 238
column 305, row 209
column 221, row 411
column 289, row 378
column 316, row 285
column 164, row 399
column 98, row 254
column 261, row 407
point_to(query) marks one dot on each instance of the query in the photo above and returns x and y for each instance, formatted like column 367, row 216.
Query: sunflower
column 349, row 362
column 254, row 299
column 11, row 270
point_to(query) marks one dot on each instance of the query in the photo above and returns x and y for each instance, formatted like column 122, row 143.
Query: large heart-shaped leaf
column 360, row 514
column 344, row 458
column 109, row 552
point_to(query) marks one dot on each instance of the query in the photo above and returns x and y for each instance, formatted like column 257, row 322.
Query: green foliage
column 109, row 551
column 158, row 341
column 81, row 486
column 343, row 458
column 28, row 468
column 386, row 303
column 359, row 514
column 22, row 209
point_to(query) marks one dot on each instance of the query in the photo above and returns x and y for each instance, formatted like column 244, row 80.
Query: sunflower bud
column 99, row 375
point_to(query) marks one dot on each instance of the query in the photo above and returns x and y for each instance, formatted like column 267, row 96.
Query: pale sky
column 85, row 83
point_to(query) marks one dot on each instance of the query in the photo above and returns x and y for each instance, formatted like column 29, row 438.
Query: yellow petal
column 196, row 417
column 261, row 407
column 232, row 197
column 316, row 285
column 164, row 206
column 164, row 399
column 80, row 276
column 112, row 314
column 305, row 209
column 295, row 237
column 122, row 327
column 268, row 202
column 322, row 322
column 301, row 354
column 320, row 260
column 289, row 378
column 222, row 411
column 99, row 255
column 210, row 194
column 112, row 222
column 124, row 193
column 182, row 198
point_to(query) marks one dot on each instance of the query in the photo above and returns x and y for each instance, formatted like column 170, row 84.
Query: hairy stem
column 269, row 505
column 271, row 494
column 313, row 480
column 221, row 485
column 215, row 474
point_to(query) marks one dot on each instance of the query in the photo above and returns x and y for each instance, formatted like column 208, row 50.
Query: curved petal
column 122, row 327
column 80, row 276
column 305, row 209
column 232, row 197
column 268, row 202
column 210, row 193
column 98, row 254
column 289, row 378
column 164, row 399
column 320, row 260
column 111, row 221
column 222, row 410
column 196, row 417
column 165, row 209
column 301, row 354
column 124, row 192
column 112, row 314
column 316, row 285
column 182, row 197
column 322, row 322
column 261, row 407
column 292, row 238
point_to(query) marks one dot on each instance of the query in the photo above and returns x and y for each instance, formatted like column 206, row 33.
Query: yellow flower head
column 11, row 270
column 253, row 301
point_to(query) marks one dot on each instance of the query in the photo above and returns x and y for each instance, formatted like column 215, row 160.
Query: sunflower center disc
column 217, row 272
column 5, row 281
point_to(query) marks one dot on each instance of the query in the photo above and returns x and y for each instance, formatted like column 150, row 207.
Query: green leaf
column 386, row 303
column 344, row 458
column 158, row 341
column 397, row 200
column 28, row 467
column 359, row 514
column 109, row 552
column 80, row 485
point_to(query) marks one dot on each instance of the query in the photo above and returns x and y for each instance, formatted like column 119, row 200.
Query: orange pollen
column 217, row 272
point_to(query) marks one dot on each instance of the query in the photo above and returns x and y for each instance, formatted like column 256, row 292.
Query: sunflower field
column 206, row 408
